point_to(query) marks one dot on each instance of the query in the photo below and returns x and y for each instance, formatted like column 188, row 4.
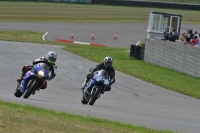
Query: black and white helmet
column 108, row 62
column 51, row 57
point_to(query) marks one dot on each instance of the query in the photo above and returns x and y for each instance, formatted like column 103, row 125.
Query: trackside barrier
column 66, row 1
column 137, row 51
column 173, row 55
column 170, row 5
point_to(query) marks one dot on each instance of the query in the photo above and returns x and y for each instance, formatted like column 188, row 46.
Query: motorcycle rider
column 106, row 65
column 50, row 61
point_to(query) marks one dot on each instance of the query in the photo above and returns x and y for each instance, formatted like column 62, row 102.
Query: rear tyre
column 31, row 89
column 94, row 96
column 18, row 93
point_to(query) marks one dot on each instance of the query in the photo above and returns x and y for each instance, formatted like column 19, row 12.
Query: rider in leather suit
column 50, row 61
column 106, row 65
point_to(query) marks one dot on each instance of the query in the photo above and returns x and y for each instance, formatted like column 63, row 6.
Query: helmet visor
column 52, row 59
column 108, row 64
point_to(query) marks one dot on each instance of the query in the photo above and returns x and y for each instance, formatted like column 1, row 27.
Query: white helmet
column 108, row 62
column 51, row 57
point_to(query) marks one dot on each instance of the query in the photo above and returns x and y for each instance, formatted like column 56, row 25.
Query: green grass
column 17, row 118
column 153, row 74
column 22, row 118
column 65, row 12
column 163, row 77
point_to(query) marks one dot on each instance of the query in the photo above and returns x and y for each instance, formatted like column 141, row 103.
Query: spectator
column 183, row 37
column 187, row 40
column 188, row 33
column 174, row 32
column 191, row 34
column 194, row 40
column 166, row 35
column 196, row 34
column 170, row 37
column 173, row 36
column 199, row 40
column 198, row 43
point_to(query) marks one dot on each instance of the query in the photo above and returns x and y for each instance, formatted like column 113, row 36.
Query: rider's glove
column 110, row 83
column 51, row 77
column 33, row 62
column 90, row 75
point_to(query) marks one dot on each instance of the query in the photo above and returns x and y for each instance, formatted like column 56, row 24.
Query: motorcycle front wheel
column 84, row 101
column 18, row 92
column 94, row 96
column 30, row 88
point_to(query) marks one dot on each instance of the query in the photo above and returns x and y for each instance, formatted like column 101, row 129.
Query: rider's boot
column 19, row 79
column 84, row 84
column 82, row 88
column 24, row 70
column 33, row 93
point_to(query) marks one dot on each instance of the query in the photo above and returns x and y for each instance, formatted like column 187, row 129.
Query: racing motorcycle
column 100, row 81
column 33, row 80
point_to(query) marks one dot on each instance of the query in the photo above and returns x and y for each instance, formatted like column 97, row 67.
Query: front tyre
column 18, row 93
column 31, row 89
column 84, row 101
column 94, row 96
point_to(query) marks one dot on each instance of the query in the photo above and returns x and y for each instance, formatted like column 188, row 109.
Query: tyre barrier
column 141, row 56
column 132, row 50
column 169, row 5
column 137, row 51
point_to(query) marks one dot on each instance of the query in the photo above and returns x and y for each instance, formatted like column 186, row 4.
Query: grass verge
column 16, row 118
column 153, row 74
column 65, row 12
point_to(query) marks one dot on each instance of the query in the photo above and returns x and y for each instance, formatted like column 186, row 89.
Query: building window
column 156, row 21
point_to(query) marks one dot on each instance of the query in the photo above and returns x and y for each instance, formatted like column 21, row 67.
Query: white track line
column 81, row 43
column 44, row 35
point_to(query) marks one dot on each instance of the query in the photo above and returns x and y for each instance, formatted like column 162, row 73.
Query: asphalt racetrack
column 127, row 33
column 130, row 100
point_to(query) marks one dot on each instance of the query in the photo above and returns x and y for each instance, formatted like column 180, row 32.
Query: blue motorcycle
column 33, row 80
column 95, row 87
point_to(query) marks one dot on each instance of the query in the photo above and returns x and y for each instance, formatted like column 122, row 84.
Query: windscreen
column 43, row 66
column 103, row 73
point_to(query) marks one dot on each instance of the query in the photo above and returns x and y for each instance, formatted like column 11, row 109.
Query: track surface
column 127, row 33
column 129, row 101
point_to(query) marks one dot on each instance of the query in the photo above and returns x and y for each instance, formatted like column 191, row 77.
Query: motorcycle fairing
column 26, row 78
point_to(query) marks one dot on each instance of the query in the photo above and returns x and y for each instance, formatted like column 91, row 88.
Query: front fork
column 99, row 93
